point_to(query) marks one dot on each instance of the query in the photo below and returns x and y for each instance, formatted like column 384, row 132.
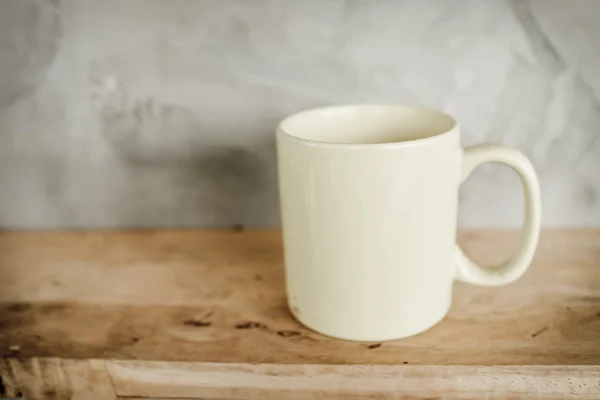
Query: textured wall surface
column 161, row 113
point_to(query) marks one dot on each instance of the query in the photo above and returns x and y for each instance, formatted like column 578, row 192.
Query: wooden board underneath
column 216, row 298
column 51, row 378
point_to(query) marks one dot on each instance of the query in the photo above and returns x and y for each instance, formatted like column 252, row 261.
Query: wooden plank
column 60, row 379
column 188, row 296
column 295, row 382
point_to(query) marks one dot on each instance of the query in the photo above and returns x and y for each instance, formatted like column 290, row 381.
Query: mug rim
column 453, row 128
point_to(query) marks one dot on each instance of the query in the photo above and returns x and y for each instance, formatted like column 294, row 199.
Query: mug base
column 374, row 338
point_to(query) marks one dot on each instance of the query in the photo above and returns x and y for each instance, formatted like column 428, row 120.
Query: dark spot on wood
column 2, row 387
column 250, row 325
column 258, row 277
column 135, row 339
column 19, row 307
column 19, row 394
column 375, row 346
column 197, row 323
column 49, row 393
column 288, row 333
column 535, row 334
column 239, row 228
column 37, row 337
column 598, row 314
column 404, row 362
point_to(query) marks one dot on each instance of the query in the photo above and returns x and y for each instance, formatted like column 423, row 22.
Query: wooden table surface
column 202, row 314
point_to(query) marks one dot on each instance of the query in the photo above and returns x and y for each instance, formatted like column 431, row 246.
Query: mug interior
column 367, row 124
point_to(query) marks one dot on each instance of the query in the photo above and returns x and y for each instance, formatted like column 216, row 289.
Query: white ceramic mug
column 369, row 207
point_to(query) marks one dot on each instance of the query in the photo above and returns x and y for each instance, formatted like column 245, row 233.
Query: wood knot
column 197, row 323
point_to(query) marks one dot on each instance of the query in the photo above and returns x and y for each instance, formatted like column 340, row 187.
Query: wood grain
column 175, row 306
column 58, row 379
column 9, row 388
column 243, row 381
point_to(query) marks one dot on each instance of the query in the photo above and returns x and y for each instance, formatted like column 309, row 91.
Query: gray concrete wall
column 161, row 113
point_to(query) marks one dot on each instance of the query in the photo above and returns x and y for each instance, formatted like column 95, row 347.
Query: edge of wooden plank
column 39, row 378
column 55, row 378
column 259, row 381
column 9, row 386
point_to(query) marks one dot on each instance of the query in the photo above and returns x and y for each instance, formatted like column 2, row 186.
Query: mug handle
column 516, row 266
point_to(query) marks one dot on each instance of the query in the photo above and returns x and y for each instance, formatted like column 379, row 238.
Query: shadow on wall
column 165, row 148
column 29, row 39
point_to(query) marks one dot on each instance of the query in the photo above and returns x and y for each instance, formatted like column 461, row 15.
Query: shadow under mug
column 369, row 200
